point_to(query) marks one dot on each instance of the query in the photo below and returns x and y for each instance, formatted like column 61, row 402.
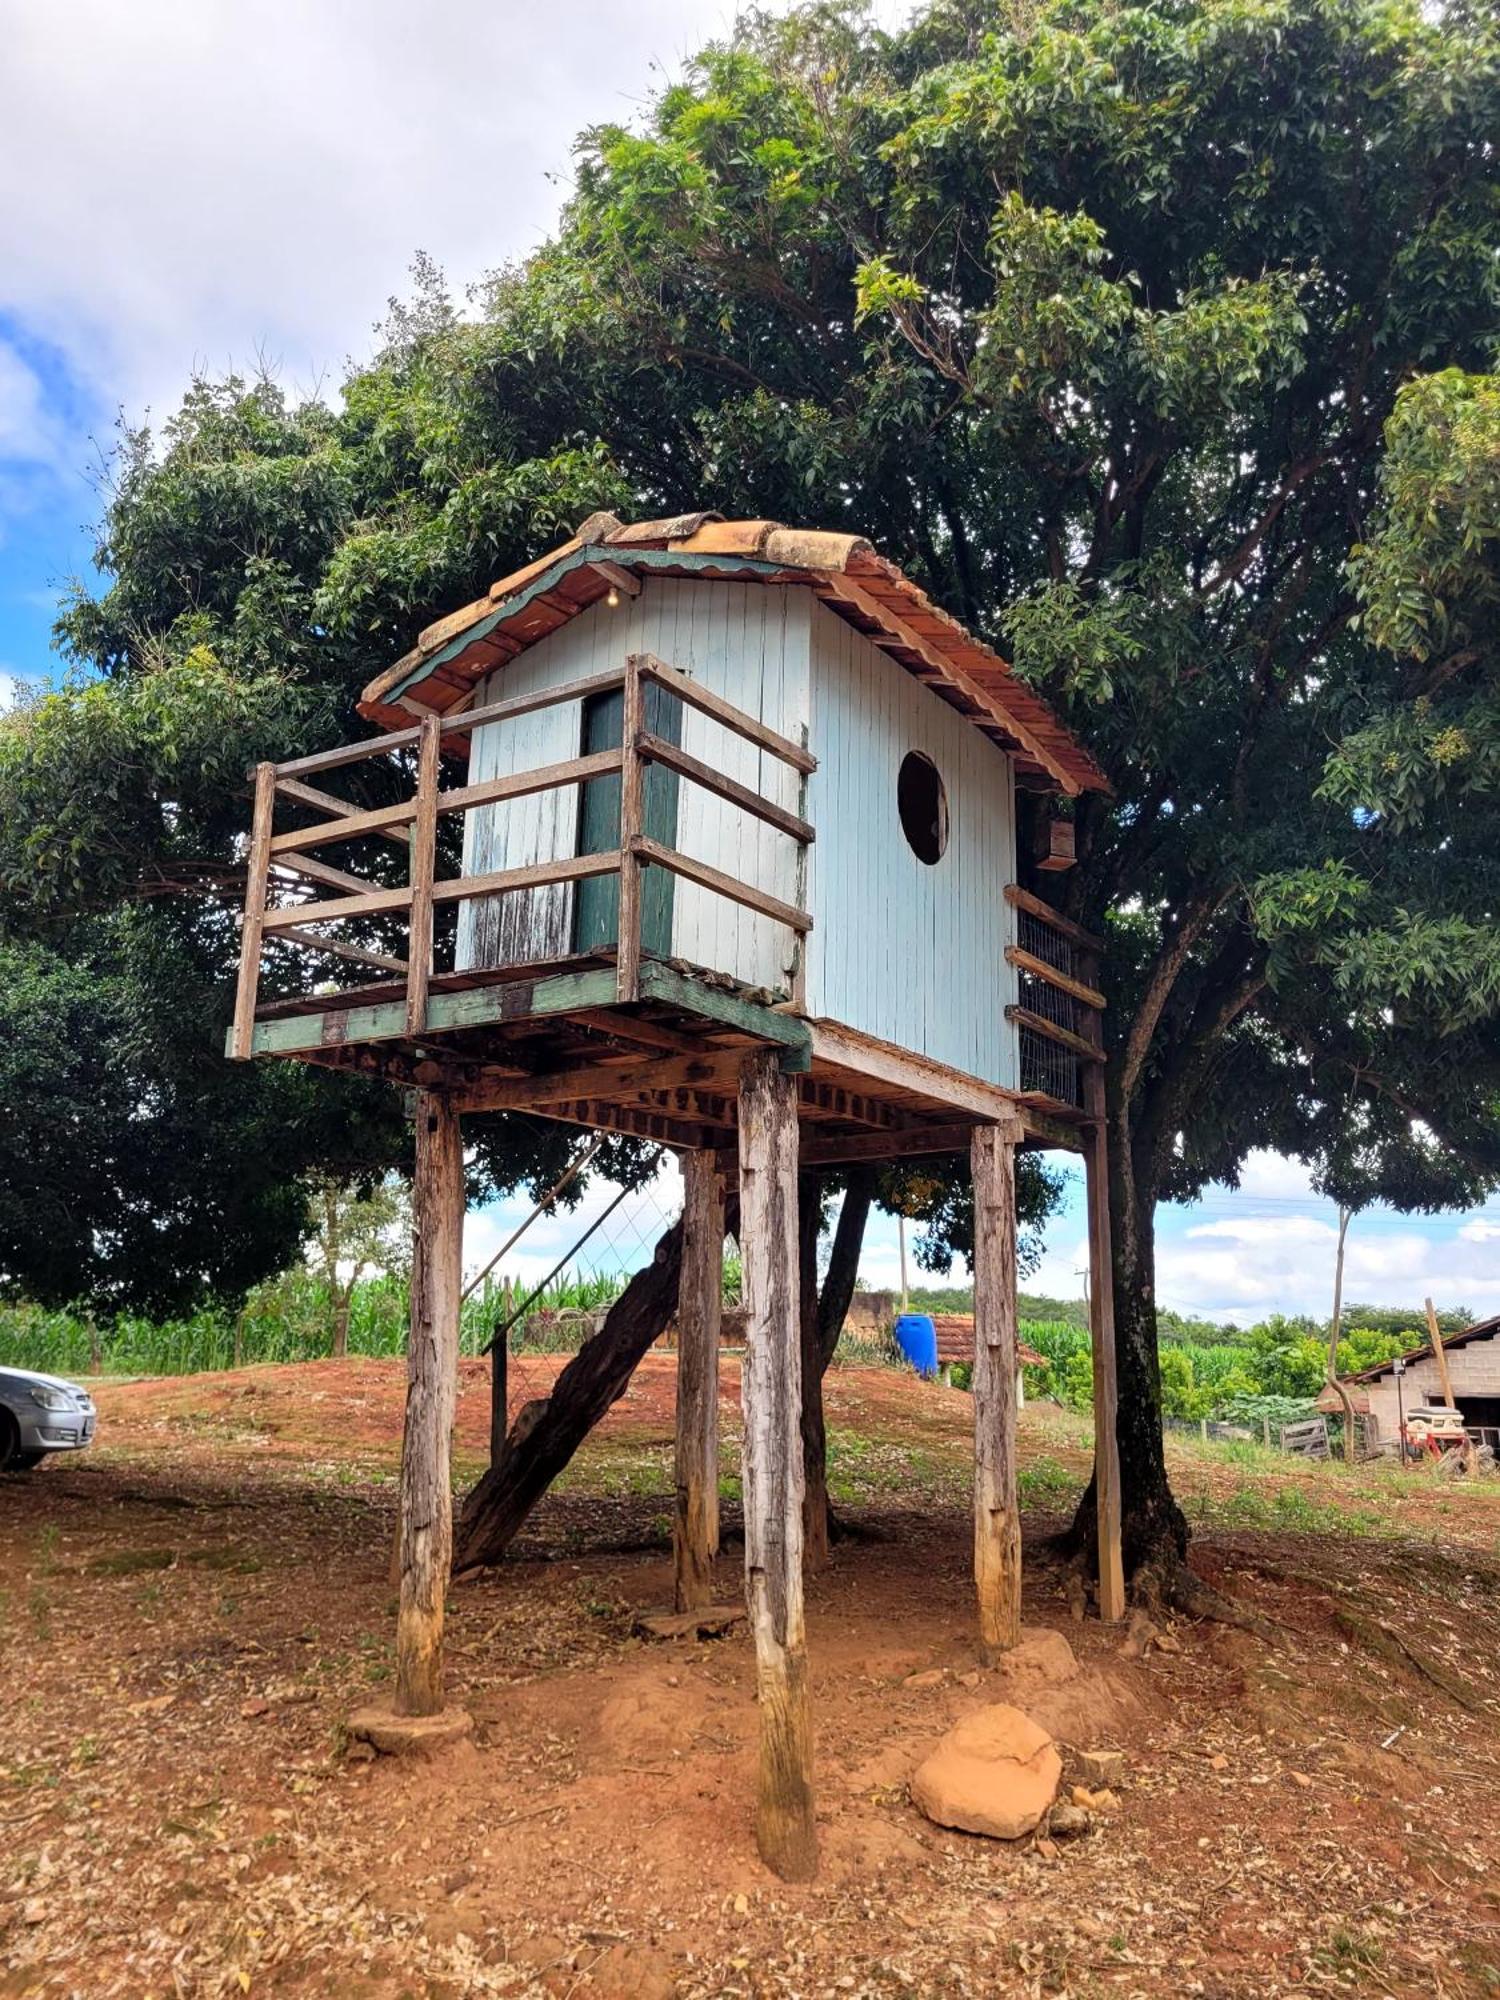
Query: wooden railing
column 412, row 825
column 1059, row 1008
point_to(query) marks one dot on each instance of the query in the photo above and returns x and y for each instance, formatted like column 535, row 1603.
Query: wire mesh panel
column 1046, row 1065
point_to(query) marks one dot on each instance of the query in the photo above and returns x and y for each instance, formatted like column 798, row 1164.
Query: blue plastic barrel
column 916, row 1336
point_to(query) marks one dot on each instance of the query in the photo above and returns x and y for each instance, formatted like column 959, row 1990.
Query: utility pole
column 1335, row 1326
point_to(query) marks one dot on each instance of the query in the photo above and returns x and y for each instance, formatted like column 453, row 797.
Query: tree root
column 1387, row 1644
column 1169, row 1583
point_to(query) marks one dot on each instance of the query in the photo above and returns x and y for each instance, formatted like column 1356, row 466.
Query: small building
column 755, row 845
column 1473, row 1358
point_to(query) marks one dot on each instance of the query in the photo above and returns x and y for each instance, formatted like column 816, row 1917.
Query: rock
column 1040, row 1658
column 409, row 1735
column 969, row 1680
column 1218, row 1762
column 1067, row 1821
column 995, row 1773
column 1101, row 1767
column 933, row 1677
column 250, row 1709
column 712, row 1622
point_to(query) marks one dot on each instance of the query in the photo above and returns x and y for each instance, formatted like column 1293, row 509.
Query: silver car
column 41, row 1414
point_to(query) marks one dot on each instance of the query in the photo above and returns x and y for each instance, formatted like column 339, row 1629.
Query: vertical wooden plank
column 257, row 874
column 631, row 815
column 1102, row 1318
column 695, row 1528
column 772, row 1395
column 431, row 1382
column 997, row 1520
column 423, row 866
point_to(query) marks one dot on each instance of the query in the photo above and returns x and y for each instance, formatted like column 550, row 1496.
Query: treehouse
column 753, row 836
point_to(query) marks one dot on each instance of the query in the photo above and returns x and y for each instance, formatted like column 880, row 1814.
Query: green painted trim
column 475, row 1007
column 623, row 558
column 519, row 1000
column 675, row 989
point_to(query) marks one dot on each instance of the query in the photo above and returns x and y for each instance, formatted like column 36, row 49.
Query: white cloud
column 204, row 180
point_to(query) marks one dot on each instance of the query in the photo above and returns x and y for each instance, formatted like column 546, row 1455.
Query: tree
column 357, row 1228
column 1153, row 340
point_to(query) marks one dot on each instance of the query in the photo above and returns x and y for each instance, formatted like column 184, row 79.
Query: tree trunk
column 546, row 1434
column 814, row 1432
column 1154, row 1531
column 843, row 1263
column 341, row 1304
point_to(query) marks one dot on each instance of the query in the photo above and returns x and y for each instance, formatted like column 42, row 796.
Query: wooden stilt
column 257, row 874
column 431, row 1382
column 1106, row 1391
column 773, row 1477
column 997, row 1519
column 499, row 1399
column 695, row 1529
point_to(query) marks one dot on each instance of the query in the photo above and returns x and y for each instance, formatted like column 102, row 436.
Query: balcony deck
column 612, row 1038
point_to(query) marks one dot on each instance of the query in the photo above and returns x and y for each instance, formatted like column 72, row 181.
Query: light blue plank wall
column 910, row 953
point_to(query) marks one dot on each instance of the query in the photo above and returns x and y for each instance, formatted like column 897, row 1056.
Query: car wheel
column 10, row 1443
column 26, row 1461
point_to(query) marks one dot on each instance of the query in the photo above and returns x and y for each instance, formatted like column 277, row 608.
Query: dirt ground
column 188, row 1614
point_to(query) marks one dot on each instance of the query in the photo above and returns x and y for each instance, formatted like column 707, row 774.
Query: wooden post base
column 773, row 1473
column 431, row 1386
column 997, row 1519
column 695, row 1526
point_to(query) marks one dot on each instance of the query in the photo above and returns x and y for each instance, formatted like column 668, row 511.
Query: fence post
column 632, row 819
column 422, row 869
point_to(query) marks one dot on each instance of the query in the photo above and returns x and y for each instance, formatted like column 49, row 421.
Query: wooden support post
column 431, row 1382
column 997, row 1518
column 632, row 829
column 257, row 875
column 695, row 1529
column 423, row 869
column 772, row 1395
column 1107, row 1504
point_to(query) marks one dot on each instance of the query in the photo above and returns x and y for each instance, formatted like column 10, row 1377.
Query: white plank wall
column 747, row 642
column 911, row 953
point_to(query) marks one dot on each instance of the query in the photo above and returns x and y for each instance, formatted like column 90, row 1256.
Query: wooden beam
column 707, row 703
column 356, row 954
column 1108, row 1504
column 347, row 753
column 431, row 1383
column 522, row 784
column 469, row 1007
column 423, row 869
column 253, row 922
column 1022, row 899
column 657, row 750
column 771, row 1390
column 624, row 1027
column 616, row 577
column 700, row 1288
column 632, row 826
column 901, row 1069
column 535, row 875
column 604, row 1080
column 918, row 1142
column 1076, row 1045
column 997, row 1518
column 653, row 851
column 1042, row 1129
column 372, row 903
column 330, row 805
column 847, row 591
column 319, row 871
column 527, row 704
column 348, row 826
column 750, row 1017
column 1025, row 961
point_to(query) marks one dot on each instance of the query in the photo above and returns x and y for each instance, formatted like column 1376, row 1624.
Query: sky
column 213, row 183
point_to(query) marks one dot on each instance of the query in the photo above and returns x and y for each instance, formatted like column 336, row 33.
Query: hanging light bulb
column 613, row 598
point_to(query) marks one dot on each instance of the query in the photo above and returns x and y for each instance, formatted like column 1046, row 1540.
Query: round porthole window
column 922, row 802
